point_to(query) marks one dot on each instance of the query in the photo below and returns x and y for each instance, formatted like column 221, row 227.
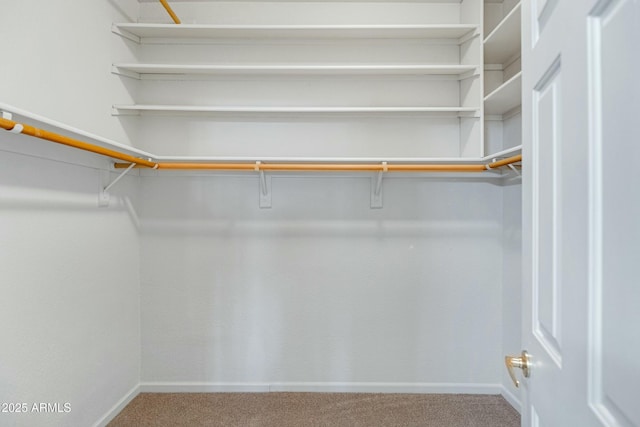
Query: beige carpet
column 317, row 409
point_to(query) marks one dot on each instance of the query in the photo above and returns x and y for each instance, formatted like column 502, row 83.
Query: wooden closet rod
column 14, row 127
column 170, row 11
column 328, row 167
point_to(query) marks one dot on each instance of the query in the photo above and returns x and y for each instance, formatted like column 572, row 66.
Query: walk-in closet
column 370, row 197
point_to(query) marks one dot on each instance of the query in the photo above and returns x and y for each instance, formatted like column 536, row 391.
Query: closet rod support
column 119, row 177
column 376, row 187
column 104, row 197
column 264, row 191
column 170, row 11
column 380, row 174
column 263, row 184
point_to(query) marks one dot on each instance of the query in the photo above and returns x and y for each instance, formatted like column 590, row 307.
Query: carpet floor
column 316, row 409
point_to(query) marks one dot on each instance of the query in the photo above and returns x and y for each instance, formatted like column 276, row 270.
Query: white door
column 581, row 212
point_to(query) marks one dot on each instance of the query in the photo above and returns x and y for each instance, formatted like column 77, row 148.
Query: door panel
column 543, row 10
column 535, row 421
column 615, row 207
column 547, row 117
column 581, row 212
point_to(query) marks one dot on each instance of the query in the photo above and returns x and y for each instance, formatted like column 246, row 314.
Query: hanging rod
column 18, row 128
column 14, row 127
column 170, row 11
column 328, row 167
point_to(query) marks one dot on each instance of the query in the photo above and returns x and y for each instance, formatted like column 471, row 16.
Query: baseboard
column 200, row 387
column 115, row 410
column 512, row 399
column 320, row 387
column 362, row 387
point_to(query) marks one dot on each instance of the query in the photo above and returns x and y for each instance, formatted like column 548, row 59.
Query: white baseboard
column 512, row 398
column 320, row 387
column 199, row 387
column 115, row 410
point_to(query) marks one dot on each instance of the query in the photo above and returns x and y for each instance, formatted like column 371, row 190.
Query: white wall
column 57, row 61
column 69, row 287
column 320, row 288
column 70, row 270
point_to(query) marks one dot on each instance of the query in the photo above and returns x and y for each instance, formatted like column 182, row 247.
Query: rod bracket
column 104, row 197
column 376, row 187
column 17, row 128
column 515, row 170
column 264, row 190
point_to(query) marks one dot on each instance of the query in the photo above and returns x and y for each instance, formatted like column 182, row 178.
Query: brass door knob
column 523, row 362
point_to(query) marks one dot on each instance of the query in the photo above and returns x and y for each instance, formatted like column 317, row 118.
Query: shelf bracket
column 123, row 72
column 376, row 188
column 103, row 197
column 470, row 35
column 125, row 34
column 265, row 188
column 470, row 74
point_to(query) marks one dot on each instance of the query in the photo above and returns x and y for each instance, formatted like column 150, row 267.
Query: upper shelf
column 505, row 98
column 159, row 70
column 503, row 43
column 268, row 110
column 142, row 33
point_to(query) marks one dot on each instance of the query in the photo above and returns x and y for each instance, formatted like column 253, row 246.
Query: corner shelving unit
column 505, row 98
column 502, row 62
column 503, row 42
column 502, row 73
